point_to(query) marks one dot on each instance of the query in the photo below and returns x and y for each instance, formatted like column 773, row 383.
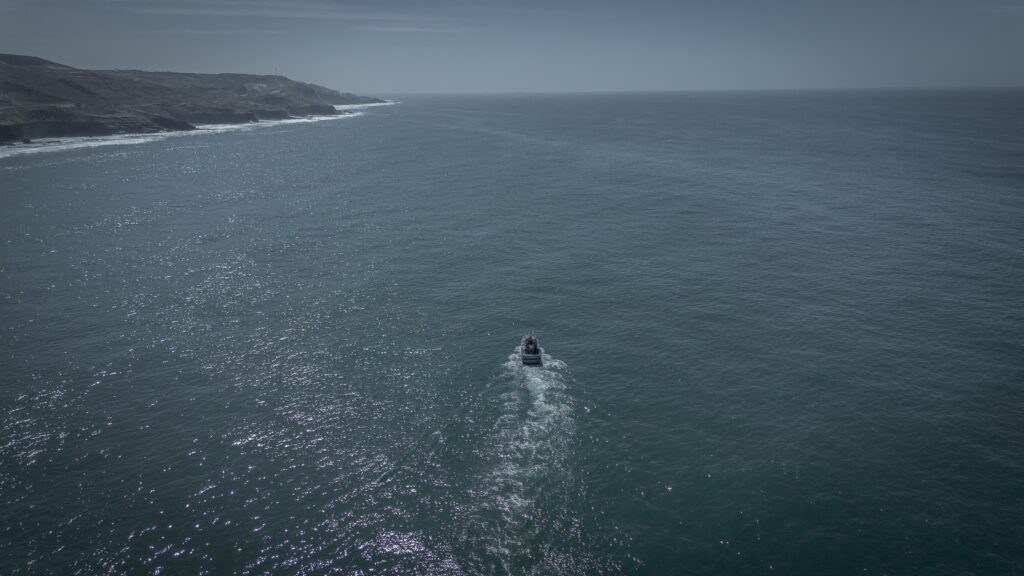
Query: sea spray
column 526, row 455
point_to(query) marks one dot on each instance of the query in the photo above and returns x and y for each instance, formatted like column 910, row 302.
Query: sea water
column 784, row 334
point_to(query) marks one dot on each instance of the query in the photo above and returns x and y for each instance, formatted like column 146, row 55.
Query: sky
column 386, row 47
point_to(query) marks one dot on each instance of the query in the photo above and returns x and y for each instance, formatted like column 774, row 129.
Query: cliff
column 40, row 99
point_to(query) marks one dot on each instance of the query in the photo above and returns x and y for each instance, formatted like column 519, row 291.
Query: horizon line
column 972, row 88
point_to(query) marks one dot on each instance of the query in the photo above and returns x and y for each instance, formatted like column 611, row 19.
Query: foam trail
column 525, row 468
column 535, row 443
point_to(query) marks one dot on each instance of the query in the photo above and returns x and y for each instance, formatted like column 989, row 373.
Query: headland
column 43, row 99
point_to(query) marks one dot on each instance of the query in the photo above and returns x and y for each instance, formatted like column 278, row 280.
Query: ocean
column 784, row 333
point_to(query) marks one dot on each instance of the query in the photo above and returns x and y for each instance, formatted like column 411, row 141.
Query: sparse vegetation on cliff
column 41, row 99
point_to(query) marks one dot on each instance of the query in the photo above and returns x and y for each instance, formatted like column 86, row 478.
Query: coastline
column 41, row 145
column 41, row 100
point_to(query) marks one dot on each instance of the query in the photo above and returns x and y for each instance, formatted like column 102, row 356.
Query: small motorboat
column 531, row 351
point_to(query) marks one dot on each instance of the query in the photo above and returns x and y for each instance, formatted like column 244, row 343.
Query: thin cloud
column 220, row 32
column 277, row 10
column 403, row 29
column 998, row 7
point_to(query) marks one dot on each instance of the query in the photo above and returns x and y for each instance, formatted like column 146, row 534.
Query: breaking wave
column 343, row 107
column 79, row 142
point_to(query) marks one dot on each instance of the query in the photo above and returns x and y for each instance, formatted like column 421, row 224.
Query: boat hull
column 532, row 359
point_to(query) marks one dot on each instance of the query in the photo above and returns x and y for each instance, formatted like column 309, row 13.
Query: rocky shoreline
column 43, row 99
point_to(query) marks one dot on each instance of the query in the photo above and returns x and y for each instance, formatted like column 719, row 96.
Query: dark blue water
column 785, row 335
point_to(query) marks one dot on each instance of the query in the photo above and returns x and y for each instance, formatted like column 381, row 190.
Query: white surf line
column 342, row 107
column 79, row 142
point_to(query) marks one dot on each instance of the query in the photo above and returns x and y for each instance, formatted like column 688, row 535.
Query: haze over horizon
column 399, row 46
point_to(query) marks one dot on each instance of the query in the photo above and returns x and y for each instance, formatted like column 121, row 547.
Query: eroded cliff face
column 39, row 98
